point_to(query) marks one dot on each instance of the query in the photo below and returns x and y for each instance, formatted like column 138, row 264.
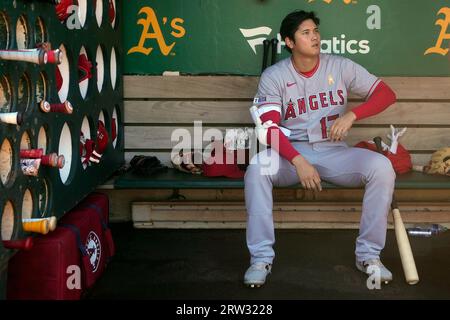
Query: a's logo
column 94, row 249
column 443, row 35
column 329, row 1
column 150, row 22
column 255, row 32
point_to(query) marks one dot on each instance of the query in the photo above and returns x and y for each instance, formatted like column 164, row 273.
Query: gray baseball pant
column 336, row 163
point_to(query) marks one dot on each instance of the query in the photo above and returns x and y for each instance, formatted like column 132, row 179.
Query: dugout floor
column 310, row 264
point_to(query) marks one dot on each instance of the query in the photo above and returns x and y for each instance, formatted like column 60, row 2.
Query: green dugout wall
column 390, row 38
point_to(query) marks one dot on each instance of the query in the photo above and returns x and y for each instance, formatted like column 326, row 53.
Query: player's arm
column 268, row 103
column 308, row 175
column 381, row 98
column 269, row 108
column 276, row 138
column 378, row 96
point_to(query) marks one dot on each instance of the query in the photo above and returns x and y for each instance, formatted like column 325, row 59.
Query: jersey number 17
column 323, row 124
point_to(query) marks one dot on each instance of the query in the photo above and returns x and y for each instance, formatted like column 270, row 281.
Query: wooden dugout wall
column 154, row 106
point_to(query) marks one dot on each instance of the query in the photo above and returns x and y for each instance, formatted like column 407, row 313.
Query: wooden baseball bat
column 52, row 221
column 266, row 45
column 11, row 117
column 65, row 107
column 36, row 225
column 40, row 225
column 37, row 56
column 404, row 247
column 31, row 153
column 54, row 56
column 274, row 44
column 51, row 159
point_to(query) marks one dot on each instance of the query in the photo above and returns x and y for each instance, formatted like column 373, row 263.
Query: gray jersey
column 309, row 106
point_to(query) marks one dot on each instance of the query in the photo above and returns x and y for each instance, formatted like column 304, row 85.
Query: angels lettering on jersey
column 314, row 102
column 308, row 105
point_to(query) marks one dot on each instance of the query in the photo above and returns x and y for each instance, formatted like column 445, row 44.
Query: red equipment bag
column 64, row 263
column 401, row 161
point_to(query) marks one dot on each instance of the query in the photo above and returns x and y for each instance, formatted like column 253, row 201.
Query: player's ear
column 289, row 42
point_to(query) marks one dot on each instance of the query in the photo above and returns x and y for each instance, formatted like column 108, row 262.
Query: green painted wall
column 204, row 36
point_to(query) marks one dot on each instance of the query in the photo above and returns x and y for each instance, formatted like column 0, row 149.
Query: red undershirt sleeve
column 381, row 98
column 284, row 146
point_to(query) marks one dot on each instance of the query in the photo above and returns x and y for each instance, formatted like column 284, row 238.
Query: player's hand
column 341, row 126
column 308, row 175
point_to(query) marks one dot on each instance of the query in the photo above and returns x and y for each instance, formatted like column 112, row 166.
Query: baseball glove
column 439, row 163
column 146, row 165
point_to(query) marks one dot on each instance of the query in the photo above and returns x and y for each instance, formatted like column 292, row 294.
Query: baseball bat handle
column 394, row 204
column 31, row 153
column 274, row 43
column 377, row 141
column 50, row 221
column 266, row 44
column 65, row 107
column 11, row 117
column 36, row 225
column 54, row 56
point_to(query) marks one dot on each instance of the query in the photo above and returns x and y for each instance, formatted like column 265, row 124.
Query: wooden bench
column 157, row 105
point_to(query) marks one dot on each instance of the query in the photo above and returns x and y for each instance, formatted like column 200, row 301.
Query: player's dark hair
column 292, row 21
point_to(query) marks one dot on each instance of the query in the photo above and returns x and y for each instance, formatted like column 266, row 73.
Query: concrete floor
column 310, row 264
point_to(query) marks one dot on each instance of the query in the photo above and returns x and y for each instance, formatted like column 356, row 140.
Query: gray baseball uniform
column 308, row 107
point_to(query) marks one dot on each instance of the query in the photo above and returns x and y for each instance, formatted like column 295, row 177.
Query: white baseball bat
column 37, row 56
column 11, row 117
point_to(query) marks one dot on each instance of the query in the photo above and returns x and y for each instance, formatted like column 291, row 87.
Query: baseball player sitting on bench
column 305, row 97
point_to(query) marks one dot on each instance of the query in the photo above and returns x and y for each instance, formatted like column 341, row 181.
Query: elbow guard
column 263, row 128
